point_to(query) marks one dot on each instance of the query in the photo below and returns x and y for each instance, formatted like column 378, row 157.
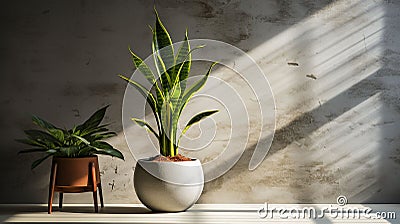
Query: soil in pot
column 177, row 158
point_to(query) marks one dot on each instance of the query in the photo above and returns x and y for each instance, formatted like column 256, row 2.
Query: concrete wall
column 337, row 111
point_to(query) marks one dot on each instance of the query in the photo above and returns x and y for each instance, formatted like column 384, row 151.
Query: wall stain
column 103, row 89
column 112, row 185
column 76, row 112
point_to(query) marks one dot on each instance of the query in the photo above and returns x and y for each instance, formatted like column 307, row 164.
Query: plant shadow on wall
column 340, row 135
column 168, row 181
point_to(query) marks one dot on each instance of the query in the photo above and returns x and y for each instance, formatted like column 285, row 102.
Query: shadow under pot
column 168, row 186
column 75, row 175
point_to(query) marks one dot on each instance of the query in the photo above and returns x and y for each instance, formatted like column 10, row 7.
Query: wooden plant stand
column 75, row 175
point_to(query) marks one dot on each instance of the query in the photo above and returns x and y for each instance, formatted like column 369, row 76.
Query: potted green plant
column 169, row 181
column 75, row 166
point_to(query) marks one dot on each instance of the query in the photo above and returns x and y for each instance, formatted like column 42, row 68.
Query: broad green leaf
column 39, row 161
column 94, row 120
column 33, row 150
column 42, row 137
column 57, row 133
column 106, row 148
column 31, row 142
column 103, row 136
column 68, row 151
column 82, row 139
column 42, row 123
column 92, row 132
column 86, row 151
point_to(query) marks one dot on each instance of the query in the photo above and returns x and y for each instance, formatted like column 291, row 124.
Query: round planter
column 168, row 186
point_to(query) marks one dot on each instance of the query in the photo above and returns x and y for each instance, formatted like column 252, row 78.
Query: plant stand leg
column 94, row 182
column 51, row 187
column 101, row 195
column 60, row 200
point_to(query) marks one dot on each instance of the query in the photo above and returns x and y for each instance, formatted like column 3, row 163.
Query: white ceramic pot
column 168, row 186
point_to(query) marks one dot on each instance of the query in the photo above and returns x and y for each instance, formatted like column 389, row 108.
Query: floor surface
column 205, row 213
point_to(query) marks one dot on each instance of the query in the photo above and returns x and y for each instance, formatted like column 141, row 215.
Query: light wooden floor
column 201, row 213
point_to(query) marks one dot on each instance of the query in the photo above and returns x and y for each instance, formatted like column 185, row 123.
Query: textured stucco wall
column 337, row 111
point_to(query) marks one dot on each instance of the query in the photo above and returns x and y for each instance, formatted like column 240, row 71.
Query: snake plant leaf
column 180, row 60
column 161, row 68
column 148, row 95
column 194, row 88
column 94, row 120
column 142, row 67
column 154, row 105
column 163, row 42
column 172, row 95
column 143, row 123
column 39, row 161
column 174, row 102
column 146, row 71
column 184, row 61
column 197, row 118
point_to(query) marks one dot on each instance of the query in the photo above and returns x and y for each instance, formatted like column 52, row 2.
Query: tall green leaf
column 183, row 61
column 162, row 69
column 143, row 68
column 163, row 42
column 146, row 71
